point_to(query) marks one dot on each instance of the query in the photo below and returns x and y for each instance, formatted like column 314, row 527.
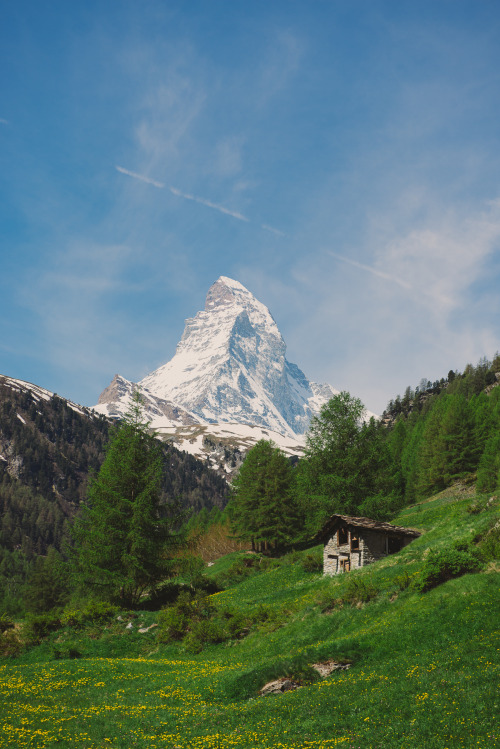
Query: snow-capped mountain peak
column 230, row 367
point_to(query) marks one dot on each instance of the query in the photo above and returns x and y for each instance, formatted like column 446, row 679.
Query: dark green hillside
column 48, row 449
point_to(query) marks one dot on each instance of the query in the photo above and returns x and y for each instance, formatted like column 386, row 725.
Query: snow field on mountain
column 230, row 367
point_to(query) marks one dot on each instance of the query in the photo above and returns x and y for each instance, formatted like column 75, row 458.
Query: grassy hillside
column 424, row 665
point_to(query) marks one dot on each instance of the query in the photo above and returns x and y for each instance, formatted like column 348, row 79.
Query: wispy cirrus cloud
column 3, row 121
column 447, row 257
column 423, row 299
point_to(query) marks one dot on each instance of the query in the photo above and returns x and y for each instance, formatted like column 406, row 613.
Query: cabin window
column 354, row 543
column 342, row 536
column 394, row 544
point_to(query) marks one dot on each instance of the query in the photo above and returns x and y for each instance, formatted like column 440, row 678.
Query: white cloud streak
column 370, row 269
column 4, row 121
column 273, row 230
column 140, row 177
column 209, row 204
column 196, row 199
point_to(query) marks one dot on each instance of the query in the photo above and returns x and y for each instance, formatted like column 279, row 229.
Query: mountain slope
column 229, row 367
column 48, row 448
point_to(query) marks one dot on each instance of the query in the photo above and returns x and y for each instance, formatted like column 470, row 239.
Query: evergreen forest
column 437, row 434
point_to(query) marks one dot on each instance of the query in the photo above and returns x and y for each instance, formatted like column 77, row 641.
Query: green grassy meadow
column 424, row 668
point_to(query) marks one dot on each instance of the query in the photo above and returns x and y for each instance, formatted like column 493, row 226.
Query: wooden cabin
column 352, row 542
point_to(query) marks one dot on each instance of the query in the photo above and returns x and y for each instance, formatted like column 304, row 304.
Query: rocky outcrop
column 326, row 668
column 286, row 684
column 278, row 686
column 116, row 399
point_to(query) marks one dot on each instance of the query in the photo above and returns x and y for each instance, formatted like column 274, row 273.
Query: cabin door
column 345, row 565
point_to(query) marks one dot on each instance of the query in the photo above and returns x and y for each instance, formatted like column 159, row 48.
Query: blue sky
column 341, row 159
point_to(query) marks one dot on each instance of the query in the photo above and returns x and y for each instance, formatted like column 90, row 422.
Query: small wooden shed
column 352, row 542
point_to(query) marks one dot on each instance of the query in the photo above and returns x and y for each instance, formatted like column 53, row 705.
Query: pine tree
column 458, row 440
column 431, row 458
column 330, row 480
column 277, row 516
column 263, row 510
column 121, row 536
column 488, row 472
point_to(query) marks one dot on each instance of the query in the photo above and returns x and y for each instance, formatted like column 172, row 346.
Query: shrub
column 173, row 623
column 176, row 620
column 293, row 557
column 93, row 612
column 403, row 581
column 191, row 568
column 268, row 618
column 313, row 562
column 489, row 543
column 10, row 644
column 243, row 568
column 5, row 623
column 237, row 624
column 326, row 601
column 474, row 508
column 164, row 595
column 68, row 650
column 204, row 632
column 38, row 626
column 448, row 563
column 236, row 573
column 358, row 590
column 196, row 621
column 267, row 563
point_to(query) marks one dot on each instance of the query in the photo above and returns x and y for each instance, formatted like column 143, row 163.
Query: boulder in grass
column 278, row 686
column 327, row 667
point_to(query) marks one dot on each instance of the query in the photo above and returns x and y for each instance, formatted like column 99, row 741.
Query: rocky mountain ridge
column 230, row 367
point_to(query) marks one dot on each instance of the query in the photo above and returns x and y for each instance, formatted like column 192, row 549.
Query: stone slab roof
column 335, row 521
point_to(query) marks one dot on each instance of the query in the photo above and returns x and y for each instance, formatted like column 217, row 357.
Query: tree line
column 436, row 434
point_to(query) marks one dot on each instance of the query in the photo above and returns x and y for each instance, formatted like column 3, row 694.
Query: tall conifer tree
column 121, row 535
column 263, row 509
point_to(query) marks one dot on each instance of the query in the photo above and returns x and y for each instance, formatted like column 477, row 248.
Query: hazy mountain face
column 229, row 367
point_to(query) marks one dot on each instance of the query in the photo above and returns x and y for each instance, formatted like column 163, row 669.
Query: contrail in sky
column 186, row 196
column 140, row 176
column 209, row 203
column 370, row 269
column 273, row 230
